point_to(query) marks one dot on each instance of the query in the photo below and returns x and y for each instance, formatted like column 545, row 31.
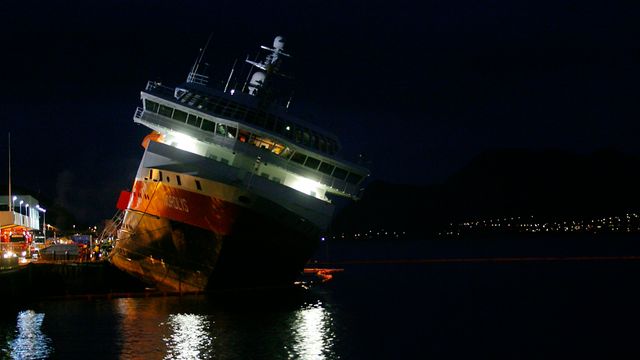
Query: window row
column 168, row 179
column 229, row 109
column 256, row 140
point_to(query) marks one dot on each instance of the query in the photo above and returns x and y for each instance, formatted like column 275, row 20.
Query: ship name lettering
column 177, row 203
column 141, row 195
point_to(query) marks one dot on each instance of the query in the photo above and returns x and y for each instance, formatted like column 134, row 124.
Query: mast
column 194, row 76
column 10, row 201
column 230, row 75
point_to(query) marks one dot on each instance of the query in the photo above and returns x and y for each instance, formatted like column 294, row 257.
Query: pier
column 50, row 279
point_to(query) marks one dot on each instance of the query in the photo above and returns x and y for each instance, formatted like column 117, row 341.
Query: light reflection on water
column 30, row 342
column 313, row 333
column 244, row 326
column 191, row 337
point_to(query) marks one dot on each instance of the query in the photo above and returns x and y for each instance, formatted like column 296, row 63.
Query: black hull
column 259, row 251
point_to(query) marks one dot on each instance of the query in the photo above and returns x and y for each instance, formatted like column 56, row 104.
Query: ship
column 233, row 189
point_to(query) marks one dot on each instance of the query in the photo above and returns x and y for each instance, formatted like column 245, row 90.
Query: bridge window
column 326, row 168
column 180, row 115
column 340, row 173
column 298, row 158
column 231, row 132
column 226, row 131
column 277, row 148
column 165, row 111
column 287, row 153
column 198, row 186
column 150, row 106
column 194, row 120
column 208, row 125
column 312, row 163
column 243, row 135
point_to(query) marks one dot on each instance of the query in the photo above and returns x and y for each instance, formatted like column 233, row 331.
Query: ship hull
column 174, row 256
column 229, row 233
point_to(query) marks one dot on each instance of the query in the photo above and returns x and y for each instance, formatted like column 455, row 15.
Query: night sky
column 419, row 88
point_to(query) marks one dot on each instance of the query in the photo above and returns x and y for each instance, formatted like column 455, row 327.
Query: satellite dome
column 256, row 82
column 278, row 43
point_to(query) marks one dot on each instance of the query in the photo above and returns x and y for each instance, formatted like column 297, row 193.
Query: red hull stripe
column 188, row 207
column 123, row 200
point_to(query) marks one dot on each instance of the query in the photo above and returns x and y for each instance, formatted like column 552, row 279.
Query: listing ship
column 232, row 189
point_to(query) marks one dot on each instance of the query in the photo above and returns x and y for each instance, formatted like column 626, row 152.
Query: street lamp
column 13, row 200
column 26, row 210
column 21, row 202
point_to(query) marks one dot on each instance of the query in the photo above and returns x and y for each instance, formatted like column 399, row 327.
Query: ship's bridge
column 209, row 126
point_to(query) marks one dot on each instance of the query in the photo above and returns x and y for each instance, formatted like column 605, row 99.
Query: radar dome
column 278, row 43
column 257, row 79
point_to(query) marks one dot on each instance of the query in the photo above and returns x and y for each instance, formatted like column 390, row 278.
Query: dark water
column 540, row 309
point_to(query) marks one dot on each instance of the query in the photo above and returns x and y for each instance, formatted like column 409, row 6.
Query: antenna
column 230, row 75
column 289, row 102
column 193, row 76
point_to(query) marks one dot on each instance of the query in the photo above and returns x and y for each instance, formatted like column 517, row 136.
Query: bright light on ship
column 306, row 186
column 183, row 142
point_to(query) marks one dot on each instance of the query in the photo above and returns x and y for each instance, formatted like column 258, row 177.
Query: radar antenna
column 270, row 65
